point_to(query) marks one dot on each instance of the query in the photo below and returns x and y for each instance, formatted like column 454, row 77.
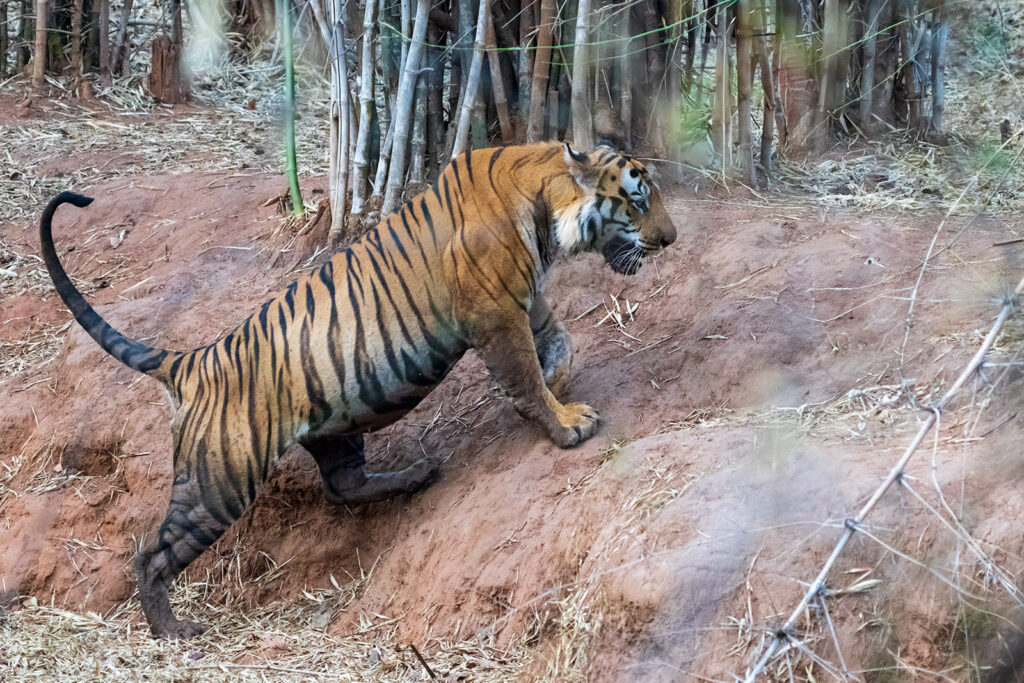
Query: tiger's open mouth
column 623, row 255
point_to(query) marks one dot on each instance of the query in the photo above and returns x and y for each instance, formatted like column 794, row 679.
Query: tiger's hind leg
column 206, row 498
column 346, row 482
column 553, row 344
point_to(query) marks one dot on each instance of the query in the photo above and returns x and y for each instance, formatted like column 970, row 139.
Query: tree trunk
column 367, row 113
column 582, row 122
column 403, row 109
column 541, row 68
column 498, row 84
column 744, row 84
column 525, row 63
column 473, row 81
column 940, row 33
column 166, row 80
column 872, row 10
column 39, row 59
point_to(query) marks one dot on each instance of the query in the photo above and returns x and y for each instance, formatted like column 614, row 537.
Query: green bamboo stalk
column 291, row 168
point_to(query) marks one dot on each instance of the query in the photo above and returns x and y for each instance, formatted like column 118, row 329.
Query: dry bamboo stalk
column 403, row 109
column 367, row 105
column 784, row 633
column 582, row 121
column 473, row 81
column 498, row 84
column 541, row 68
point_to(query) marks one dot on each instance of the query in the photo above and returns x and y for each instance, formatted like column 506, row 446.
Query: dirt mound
column 750, row 385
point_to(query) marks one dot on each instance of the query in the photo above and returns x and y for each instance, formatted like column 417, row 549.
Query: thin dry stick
column 783, row 634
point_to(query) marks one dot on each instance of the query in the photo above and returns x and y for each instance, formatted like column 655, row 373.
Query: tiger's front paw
column 578, row 423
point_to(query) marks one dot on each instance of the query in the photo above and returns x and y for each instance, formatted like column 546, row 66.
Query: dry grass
column 233, row 126
column 284, row 640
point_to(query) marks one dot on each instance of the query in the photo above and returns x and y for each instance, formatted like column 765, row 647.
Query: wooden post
column 541, row 68
column 39, row 58
column 582, row 122
column 403, row 109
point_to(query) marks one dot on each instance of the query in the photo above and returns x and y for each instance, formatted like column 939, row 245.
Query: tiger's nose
column 668, row 235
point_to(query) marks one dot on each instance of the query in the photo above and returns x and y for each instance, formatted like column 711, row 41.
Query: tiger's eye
column 633, row 173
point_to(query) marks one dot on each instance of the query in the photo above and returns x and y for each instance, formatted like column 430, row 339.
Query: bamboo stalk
column 872, row 10
column 582, row 121
column 367, row 108
column 3, row 38
column 498, row 84
column 473, row 81
column 403, row 109
column 525, row 62
column 39, row 59
column 120, row 53
column 76, row 38
column 768, row 86
column 541, row 68
column 104, row 36
column 940, row 34
column 419, row 134
column 291, row 167
column 744, row 82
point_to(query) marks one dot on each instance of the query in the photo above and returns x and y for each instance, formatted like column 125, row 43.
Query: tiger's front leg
column 506, row 344
column 346, row 482
column 553, row 344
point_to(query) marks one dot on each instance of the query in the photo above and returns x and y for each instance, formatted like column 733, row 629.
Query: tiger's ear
column 580, row 168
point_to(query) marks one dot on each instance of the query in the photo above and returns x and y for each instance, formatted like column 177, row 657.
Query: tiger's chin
column 623, row 256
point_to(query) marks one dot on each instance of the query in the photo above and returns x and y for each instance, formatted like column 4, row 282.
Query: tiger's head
column 621, row 214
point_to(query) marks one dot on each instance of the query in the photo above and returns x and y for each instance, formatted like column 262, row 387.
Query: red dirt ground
column 704, row 498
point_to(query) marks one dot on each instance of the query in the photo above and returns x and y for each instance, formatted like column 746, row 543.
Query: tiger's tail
column 154, row 362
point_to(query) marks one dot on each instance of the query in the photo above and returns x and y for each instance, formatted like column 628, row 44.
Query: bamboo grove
column 413, row 82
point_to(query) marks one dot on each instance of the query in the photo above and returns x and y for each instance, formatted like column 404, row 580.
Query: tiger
column 355, row 344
